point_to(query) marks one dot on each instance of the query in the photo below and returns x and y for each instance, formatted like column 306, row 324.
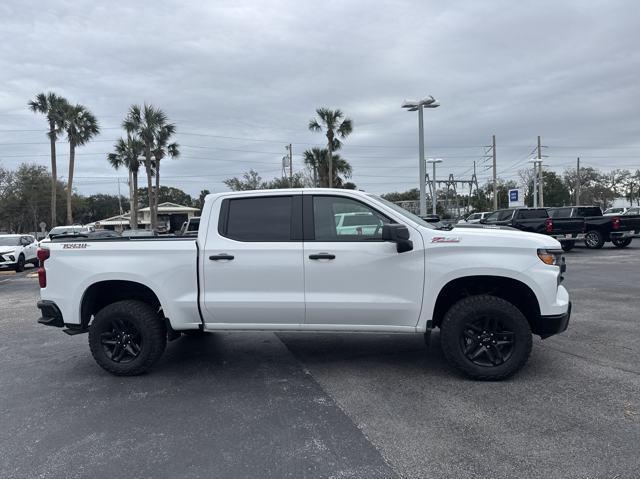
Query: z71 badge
column 74, row 245
column 445, row 239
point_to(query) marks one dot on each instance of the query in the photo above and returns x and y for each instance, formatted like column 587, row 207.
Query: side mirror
column 398, row 234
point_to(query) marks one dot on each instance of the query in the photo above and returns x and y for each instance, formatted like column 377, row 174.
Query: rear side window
column 531, row 214
column 500, row 215
column 560, row 213
column 589, row 211
column 257, row 219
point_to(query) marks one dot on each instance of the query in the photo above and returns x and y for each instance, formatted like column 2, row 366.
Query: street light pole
column 535, row 181
column 423, row 167
column 434, row 196
column 419, row 105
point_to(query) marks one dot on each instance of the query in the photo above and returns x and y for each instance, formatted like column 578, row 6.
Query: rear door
column 352, row 276
column 253, row 270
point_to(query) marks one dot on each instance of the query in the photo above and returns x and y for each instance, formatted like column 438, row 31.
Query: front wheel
column 621, row 242
column 127, row 338
column 486, row 337
column 568, row 245
column 594, row 239
column 20, row 264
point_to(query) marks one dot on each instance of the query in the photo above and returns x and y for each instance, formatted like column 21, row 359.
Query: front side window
column 533, row 214
column 344, row 219
column 258, row 219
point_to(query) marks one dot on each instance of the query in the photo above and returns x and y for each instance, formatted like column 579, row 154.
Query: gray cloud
column 257, row 70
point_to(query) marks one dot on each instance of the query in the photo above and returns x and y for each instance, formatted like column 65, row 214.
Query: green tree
column 250, row 180
column 80, row 125
column 168, row 194
column 200, row 201
column 127, row 154
column 24, row 200
column 53, row 107
column 161, row 149
column 97, row 207
column 147, row 124
column 410, row 195
column 334, row 125
column 317, row 159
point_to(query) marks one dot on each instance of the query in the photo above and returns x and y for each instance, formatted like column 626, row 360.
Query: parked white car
column 18, row 250
column 276, row 260
column 475, row 217
column 615, row 211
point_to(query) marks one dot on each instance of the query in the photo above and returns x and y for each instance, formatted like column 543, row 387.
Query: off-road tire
column 150, row 326
column 472, row 309
column 594, row 239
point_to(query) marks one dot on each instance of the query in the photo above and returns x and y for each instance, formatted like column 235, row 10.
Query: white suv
column 18, row 250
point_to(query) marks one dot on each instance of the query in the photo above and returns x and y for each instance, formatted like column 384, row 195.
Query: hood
column 491, row 236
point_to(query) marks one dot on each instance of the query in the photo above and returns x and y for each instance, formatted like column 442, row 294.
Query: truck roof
column 286, row 190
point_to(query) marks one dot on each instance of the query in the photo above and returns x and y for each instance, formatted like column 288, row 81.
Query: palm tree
column 161, row 149
column 127, row 154
column 335, row 125
column 80, row 126
column 53, row 107
column 146, row 124
column 317, row 160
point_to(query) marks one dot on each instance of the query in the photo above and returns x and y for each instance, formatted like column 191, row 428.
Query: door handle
column 322, row 256
column 222, row 256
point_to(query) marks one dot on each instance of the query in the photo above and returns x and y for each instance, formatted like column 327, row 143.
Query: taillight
column 43, row 255
column 549, row 225
column 615, row 223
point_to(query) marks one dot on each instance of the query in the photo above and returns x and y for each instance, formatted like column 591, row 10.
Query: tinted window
column 560, row 213
column 474, row 216
column 259, row 219
column 500, row 215
column 589, row 211
column 359, row 221
column 531, row 214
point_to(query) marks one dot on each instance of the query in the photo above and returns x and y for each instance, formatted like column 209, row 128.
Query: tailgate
column 629, row 223
column 562, row 226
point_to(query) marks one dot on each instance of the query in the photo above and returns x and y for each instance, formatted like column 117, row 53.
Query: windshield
column 60, row 230
column 9, row 241
column 403, row 212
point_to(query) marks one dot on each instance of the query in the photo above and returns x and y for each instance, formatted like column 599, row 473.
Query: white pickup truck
column 275, row 260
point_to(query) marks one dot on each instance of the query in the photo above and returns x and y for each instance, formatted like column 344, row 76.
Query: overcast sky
column 242, row 79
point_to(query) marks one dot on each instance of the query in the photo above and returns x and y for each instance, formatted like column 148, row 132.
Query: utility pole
column 290, row 166
column 535, row 184
column 495, row 181
column 541, row 181
column 578, row 182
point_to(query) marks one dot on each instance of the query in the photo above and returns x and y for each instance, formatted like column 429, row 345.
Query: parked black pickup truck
column 599, row 229
column 537, row 220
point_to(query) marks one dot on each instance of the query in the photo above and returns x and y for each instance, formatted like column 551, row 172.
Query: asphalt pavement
column 233, row 405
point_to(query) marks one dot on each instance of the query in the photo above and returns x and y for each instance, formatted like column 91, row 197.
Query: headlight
column 552, row 257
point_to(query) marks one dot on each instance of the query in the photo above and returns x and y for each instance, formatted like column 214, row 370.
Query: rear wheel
column 594, row 239
column 568, row 245
column 621, row 242
column 127, row 338
column 485, row 337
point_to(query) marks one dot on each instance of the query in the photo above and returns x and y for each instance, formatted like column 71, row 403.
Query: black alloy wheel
column 486, row 341
column 123, row 343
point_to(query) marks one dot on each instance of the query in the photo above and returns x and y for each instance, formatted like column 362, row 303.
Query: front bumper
column 51, row 315
column 546, row 326
column 7, row 259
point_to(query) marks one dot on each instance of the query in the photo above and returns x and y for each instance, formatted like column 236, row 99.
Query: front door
column 352, row 276
column 252, row 262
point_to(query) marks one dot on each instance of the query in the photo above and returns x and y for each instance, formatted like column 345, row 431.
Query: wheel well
column 104, row 293
column 512, row 290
